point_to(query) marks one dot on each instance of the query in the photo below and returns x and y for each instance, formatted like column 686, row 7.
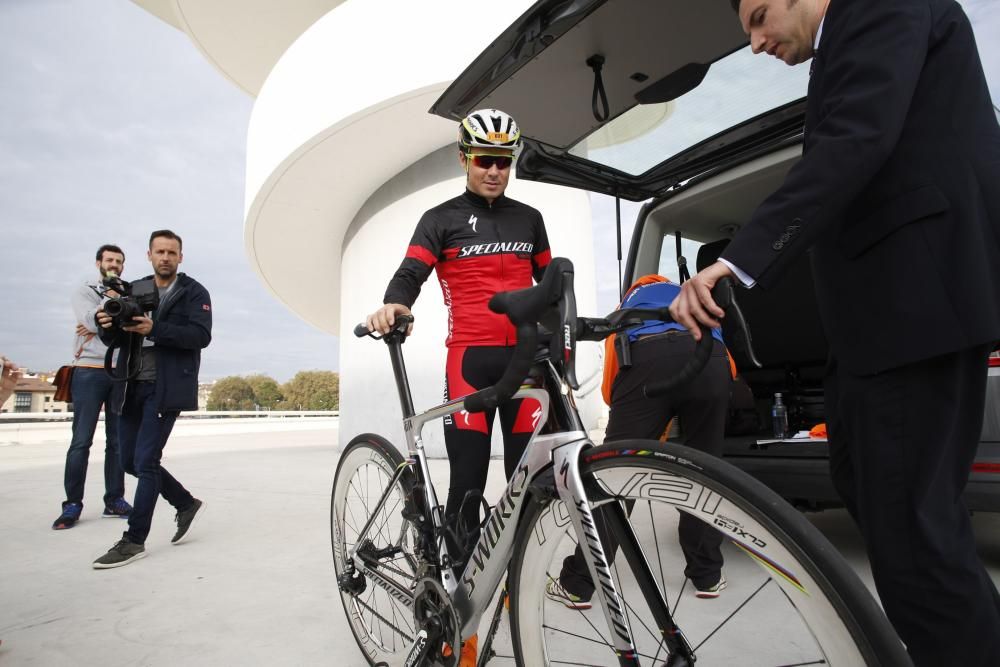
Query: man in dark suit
column 898, row 197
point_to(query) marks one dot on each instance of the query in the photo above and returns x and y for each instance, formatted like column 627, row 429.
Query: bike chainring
column 434, row 613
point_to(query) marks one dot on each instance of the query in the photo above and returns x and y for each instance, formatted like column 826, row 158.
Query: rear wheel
column 790, row 599
column 381, row 622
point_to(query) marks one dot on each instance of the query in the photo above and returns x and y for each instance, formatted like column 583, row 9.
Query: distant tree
column 312, row 390
column 266, row 392
column 231, row 393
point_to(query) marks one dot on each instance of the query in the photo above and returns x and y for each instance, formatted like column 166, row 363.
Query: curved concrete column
column 342, row 111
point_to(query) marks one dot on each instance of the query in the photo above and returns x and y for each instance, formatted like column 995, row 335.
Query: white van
column 662, row 101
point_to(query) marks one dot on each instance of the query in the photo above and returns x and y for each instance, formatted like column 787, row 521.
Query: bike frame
column 472, row 592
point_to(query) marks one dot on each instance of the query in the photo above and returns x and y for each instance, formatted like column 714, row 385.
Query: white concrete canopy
column 337, row 117
column 241, row 38
column 340, row 115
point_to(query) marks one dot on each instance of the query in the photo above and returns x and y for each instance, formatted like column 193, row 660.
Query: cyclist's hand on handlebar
column 383, row 318
column 695, row 304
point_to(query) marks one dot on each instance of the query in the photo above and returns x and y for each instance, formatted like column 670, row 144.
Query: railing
column 26, row 417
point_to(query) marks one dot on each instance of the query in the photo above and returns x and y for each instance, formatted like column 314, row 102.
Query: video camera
column 134, row 299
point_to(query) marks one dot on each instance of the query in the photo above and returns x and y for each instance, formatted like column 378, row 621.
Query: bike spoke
column 589, row 639
column 375, row 614
column 381, row 530
column 630, row 608
column 735, row 611
column 582, row 615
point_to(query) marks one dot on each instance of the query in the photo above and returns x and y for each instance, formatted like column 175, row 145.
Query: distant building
column 204, row 391
column 34, row 394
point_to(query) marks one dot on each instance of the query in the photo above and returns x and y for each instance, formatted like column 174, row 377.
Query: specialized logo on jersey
column 495, row 248
column 472, row 221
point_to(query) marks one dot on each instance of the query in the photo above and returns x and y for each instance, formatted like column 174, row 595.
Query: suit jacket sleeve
column 870, row 61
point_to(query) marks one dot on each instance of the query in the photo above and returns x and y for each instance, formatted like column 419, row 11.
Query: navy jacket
column 182, row 326
column 897, row 191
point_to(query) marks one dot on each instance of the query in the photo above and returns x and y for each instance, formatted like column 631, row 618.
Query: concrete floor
column 254, row 585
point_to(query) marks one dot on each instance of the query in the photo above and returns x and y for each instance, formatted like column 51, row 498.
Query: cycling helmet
column 489, row 128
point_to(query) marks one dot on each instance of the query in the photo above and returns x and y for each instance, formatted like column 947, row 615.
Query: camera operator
column 156, row 378
column 91, row 389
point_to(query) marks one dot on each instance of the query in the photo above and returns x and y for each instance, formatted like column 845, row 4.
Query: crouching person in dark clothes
column 659, row 350
column 157, row 377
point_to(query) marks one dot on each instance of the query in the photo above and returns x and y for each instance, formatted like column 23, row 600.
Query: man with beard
column 91, row 390
column 158, row 372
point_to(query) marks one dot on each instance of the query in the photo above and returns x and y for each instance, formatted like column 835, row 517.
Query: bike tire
column 816, row 612
column 382, row 625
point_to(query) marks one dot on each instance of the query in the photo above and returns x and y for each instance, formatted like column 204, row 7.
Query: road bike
column 791, row 598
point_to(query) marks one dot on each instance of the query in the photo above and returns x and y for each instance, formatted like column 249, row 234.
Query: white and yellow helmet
column 489, row 128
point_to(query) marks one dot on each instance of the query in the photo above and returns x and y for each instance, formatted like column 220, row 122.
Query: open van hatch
column 663, row 101
column 664, row 67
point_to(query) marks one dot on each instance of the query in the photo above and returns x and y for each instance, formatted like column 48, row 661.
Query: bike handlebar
column 399, row 326
column 552, row 303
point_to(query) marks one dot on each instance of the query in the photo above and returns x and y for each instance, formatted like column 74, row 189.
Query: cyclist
column 659, row 350
column 480, row 243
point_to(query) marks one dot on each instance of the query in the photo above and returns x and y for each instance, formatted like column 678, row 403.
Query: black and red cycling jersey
column 478, row 249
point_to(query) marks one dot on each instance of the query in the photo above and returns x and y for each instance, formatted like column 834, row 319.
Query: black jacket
column 898, row 189
column 182, row 326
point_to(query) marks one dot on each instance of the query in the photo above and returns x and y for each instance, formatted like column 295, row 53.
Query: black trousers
column 701, row 405
column 902, row 443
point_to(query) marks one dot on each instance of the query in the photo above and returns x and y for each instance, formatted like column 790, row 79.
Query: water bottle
column 779, row 415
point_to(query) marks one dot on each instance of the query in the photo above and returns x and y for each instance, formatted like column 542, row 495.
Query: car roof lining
column 714, row 208
column 656, row 39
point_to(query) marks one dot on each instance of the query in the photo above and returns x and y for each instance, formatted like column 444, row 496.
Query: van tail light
column 995, row 360
column 986, row 467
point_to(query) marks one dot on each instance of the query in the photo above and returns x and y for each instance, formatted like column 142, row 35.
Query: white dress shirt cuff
column 744, row 278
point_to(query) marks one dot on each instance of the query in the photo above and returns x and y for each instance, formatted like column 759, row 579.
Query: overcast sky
column 112, row 124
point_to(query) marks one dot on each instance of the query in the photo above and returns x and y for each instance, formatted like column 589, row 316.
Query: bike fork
column 572, row 493
column 680, row 654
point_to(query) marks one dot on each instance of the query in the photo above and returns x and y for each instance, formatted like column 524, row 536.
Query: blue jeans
column 142, row 435
column 91, row 388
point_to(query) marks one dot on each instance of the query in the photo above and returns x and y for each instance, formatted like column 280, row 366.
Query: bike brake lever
column 724, row 294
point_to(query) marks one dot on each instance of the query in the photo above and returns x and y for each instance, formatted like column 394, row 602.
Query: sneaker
column 70, row 515
column 123, row 553
column 185, row 520
column 119, row 509
column 712, row 591
column 470, row 652
column 555, row 591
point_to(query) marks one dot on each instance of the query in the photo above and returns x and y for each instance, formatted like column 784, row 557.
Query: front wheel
column 382, row 624
column 790, row 597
